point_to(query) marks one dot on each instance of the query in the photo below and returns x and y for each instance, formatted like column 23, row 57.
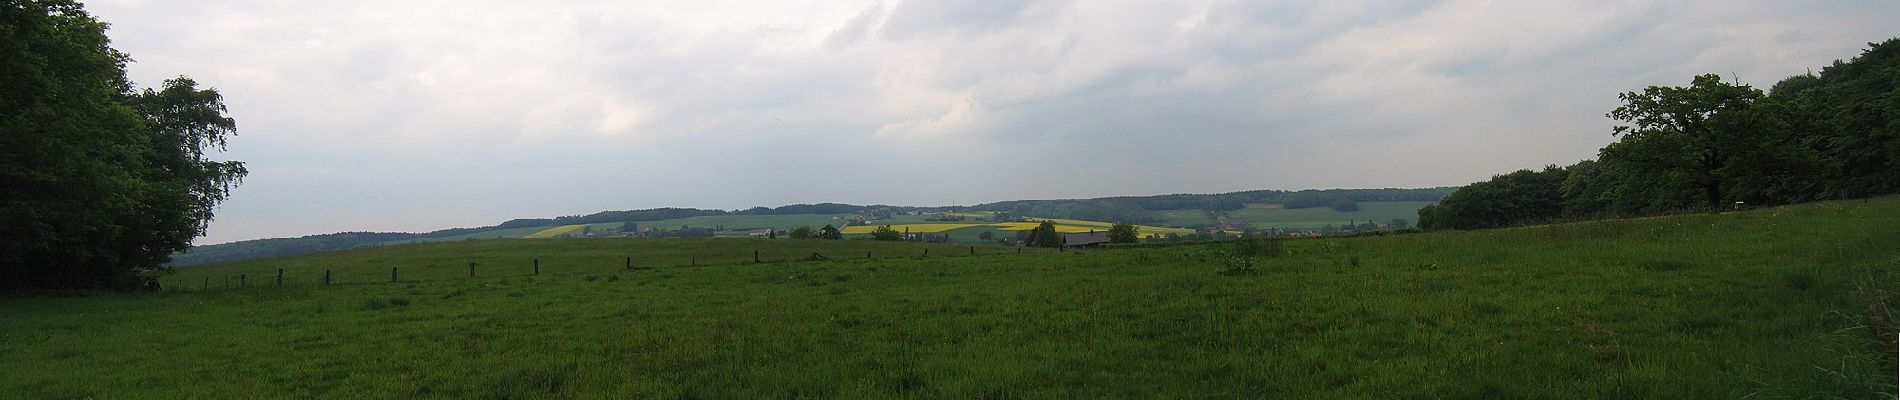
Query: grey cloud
column 358, row 115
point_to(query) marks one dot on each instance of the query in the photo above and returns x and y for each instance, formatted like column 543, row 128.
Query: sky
column 421, row 115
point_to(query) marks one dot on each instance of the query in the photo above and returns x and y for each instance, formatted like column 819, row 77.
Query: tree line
column 1714, row 145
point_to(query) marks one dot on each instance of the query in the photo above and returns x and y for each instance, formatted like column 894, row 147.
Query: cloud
column 360, row 115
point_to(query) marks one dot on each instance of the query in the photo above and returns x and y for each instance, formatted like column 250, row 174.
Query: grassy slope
column 1377, row 211
column 1761, row 304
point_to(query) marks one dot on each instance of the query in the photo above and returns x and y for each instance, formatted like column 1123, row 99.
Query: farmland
column 1772, row 303
column 1260, row 215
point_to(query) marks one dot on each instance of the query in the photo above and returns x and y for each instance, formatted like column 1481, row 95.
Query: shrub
column 1235, row 265
column 886, row 233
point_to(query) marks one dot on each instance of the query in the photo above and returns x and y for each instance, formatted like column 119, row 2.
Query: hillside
column 1772, row 303
column 1306, row 209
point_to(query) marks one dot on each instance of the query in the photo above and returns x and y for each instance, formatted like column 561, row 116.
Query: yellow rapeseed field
column 555, row 231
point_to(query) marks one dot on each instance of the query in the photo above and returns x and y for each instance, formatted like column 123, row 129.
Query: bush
column 885, row 232
column 1235, row 265
column 1122, row 233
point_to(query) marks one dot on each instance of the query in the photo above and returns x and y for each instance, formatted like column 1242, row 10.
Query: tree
column 1686, row 136
column 628, row 228
column 1044, row 235
column 986, row 235
column 884, row 232
column 101, row 183
column 1122, row 233
column 1516, row 198
column 804, row 232
column 830, row 233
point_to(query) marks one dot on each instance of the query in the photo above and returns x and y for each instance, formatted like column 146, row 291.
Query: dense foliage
column 885, row 232
column 101, row 182
column 1044, row 235
column 1123, row 233
column 1715, row 145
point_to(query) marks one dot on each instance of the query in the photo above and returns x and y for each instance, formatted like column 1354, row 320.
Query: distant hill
column 1132, row 209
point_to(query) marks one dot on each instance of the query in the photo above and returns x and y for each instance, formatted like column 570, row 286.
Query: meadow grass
column 1304, row 218
column 518, row 257
column 1777, row 303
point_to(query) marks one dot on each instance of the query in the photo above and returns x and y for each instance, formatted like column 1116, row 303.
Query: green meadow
column 1272, row 216
column 1790, row 302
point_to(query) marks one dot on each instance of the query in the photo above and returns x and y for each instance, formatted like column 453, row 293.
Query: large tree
column 98, row 183
column 1686, row 136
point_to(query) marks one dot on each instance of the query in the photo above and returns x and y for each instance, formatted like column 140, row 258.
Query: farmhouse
column 1088, row 239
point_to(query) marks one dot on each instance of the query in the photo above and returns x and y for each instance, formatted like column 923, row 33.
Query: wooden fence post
column 629, row 263
column 926, row 252
column 1019, row 249
column 242, row 282
column 537, row 266
column 973, row 250
column 326, row 277
column 695, row 261
column 392, row 274
column 755, row 256
column 867, row 255
column 207, row 283
column 471, row 270
column 280, row 277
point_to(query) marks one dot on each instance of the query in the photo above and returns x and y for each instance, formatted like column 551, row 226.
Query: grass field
column 1271, row 216
column 1776, row 303
column 493, row 258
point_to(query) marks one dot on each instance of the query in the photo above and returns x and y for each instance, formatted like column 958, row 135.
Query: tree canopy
column 102, row 182
column 1714, row 145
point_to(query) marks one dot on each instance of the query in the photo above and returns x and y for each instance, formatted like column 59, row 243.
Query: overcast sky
column 422, row 115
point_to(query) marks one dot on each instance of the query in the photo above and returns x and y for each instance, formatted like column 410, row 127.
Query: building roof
column 1084, row 239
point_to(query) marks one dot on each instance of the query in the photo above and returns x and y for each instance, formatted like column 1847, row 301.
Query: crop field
column 1792, row 302
column 912, row 228
column 555, row 231
column 737, row 222
column 1262, row 215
